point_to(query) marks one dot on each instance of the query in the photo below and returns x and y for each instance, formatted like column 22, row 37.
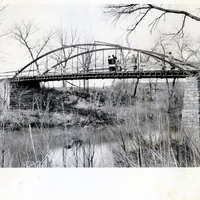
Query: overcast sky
column 87, row 18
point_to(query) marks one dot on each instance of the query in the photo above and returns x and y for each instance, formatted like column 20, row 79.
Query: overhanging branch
column 116, row 11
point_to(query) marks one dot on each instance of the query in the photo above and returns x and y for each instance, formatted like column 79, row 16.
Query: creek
column 46, row 147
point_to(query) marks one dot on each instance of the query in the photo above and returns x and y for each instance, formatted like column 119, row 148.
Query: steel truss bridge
column 90, row 61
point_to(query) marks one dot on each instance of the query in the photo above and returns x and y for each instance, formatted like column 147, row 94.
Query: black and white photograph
column 110, row 86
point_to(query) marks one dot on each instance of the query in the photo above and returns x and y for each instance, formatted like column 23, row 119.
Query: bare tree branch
column 155, row 22
column 138, row 22
column 118, row 11
column 27, row 34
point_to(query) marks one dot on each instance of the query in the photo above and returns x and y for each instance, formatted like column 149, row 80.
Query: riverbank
column 17, row 120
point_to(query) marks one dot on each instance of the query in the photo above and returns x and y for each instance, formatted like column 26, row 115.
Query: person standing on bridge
column 134, row 62
column 116, row 63
column 114, row 59
column 109, row 60
column 171, row 59
column 111, row 64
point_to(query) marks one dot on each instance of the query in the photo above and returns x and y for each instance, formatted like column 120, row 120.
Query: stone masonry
column 4, row 94
column 191, row 110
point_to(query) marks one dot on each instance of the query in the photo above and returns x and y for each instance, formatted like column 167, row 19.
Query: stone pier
column 10, row 91
column 4, row 94
column 191, row 110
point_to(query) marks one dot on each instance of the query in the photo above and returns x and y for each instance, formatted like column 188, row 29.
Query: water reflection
column 88, row 155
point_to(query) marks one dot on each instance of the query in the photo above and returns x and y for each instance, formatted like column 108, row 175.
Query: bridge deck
column 107, row 75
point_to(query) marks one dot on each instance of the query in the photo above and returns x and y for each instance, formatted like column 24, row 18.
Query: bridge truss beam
column 109, row 75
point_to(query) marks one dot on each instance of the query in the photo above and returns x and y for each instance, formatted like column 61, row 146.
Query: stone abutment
column 191, row 111
column 5, row 94
column 10, row 93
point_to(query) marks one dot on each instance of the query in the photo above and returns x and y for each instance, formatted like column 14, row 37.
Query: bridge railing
column 7, row 75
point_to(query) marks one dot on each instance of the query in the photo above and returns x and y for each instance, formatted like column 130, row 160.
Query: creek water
column 49, row 143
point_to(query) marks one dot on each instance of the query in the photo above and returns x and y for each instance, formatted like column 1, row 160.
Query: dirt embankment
column 50, row 108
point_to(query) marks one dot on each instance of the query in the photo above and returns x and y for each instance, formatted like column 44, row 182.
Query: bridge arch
column 68, row 53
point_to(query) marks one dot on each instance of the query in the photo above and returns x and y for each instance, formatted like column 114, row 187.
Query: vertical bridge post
column 191, row 111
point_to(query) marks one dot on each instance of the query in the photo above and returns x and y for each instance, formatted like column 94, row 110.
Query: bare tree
column 27, row 34
column 186, row 48
column 3, row 32
column 142, row 11
column 63, row 38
